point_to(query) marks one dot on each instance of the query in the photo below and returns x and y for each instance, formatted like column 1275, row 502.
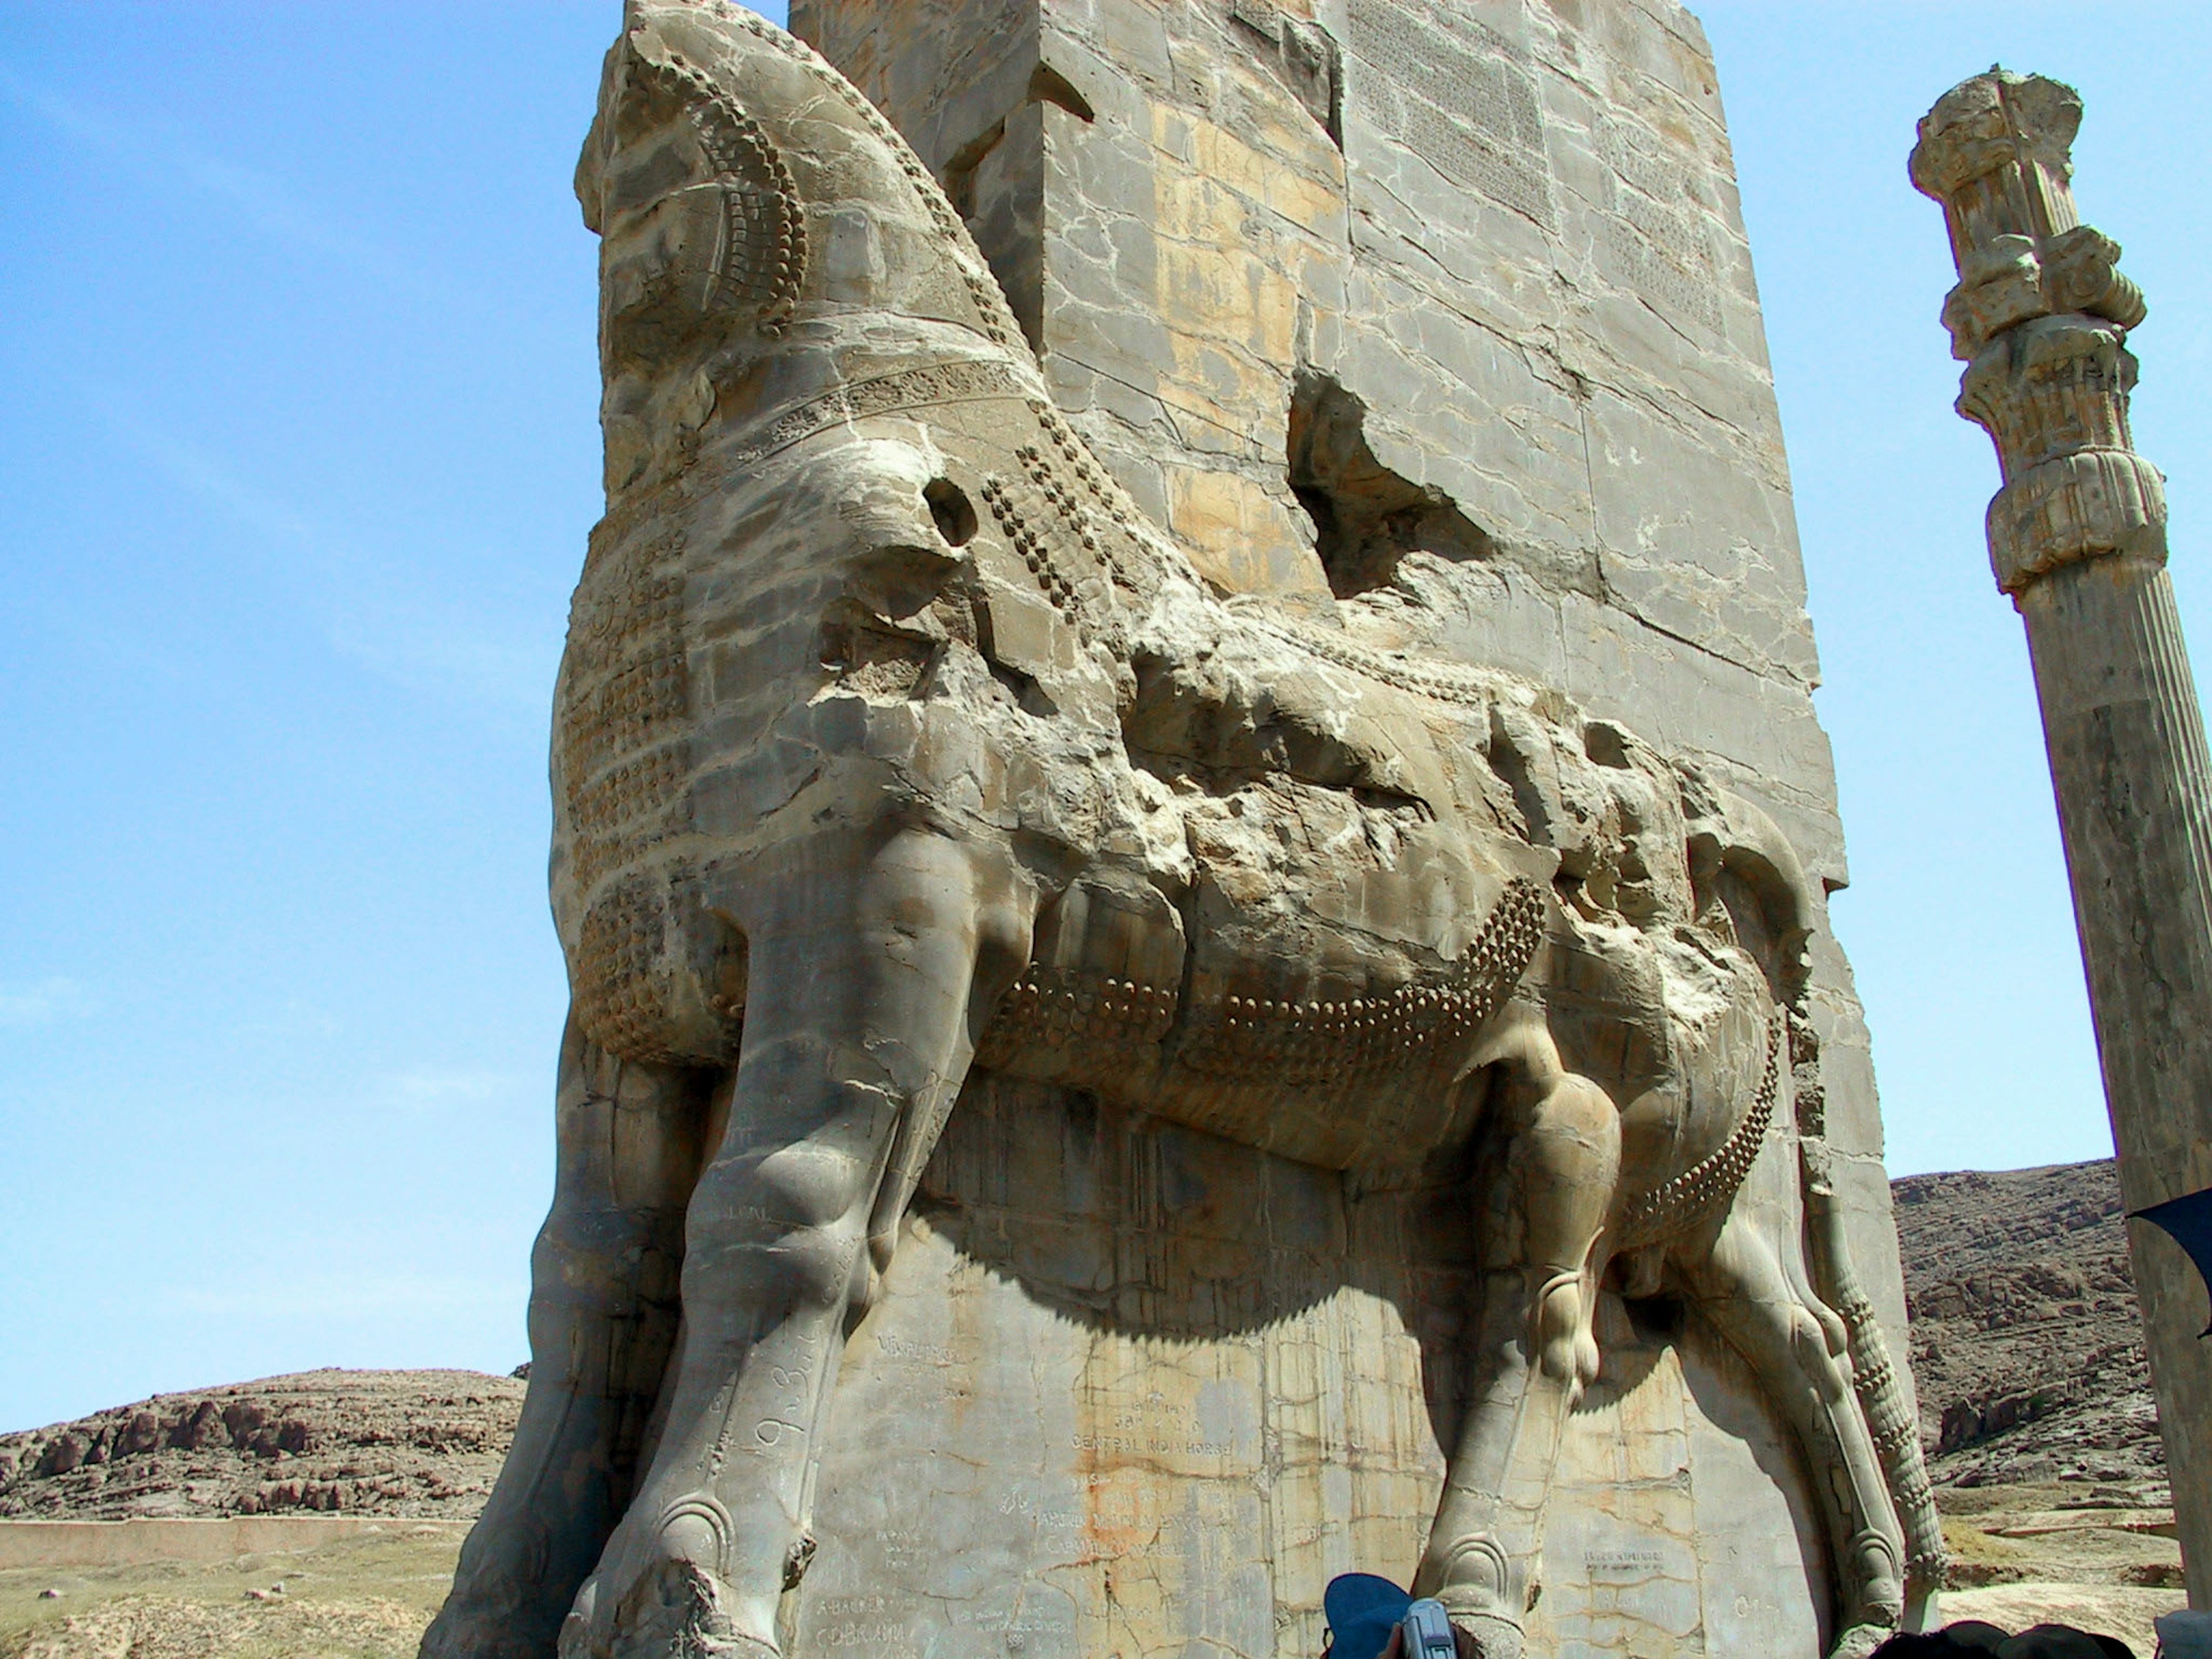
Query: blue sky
column 297, row 449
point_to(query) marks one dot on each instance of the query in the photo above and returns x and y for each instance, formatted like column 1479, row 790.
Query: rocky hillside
column 2026, row 1344
column 388, row 1443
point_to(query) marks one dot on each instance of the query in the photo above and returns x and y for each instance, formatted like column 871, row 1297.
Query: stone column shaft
column 2077, row 538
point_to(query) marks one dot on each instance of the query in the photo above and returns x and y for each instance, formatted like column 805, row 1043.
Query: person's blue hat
column 1362, row 1611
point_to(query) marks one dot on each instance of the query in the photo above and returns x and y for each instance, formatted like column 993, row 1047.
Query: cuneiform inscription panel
column 1654, row 227
column 1462, row 96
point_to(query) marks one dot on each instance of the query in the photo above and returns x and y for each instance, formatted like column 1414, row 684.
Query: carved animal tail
column 1895, row 1431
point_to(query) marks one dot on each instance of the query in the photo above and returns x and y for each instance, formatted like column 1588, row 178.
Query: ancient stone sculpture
column 2077, row 539
column 892, row 742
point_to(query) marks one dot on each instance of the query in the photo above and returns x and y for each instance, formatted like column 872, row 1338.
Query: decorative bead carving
column 1701, row 1191
column 1312, row 1043
column 1345, row 1042
column 1058, row 1008
column 1427, row 679
column 1033, row 549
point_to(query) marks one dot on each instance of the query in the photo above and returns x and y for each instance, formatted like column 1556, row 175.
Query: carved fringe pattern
column 995, row 319
column 763, row 224
column 1895, row 1433
column 961, row 380
column 1340, row 1044
column 1424, row 679
column 613, row 818
column 621, row 728
column 1705, row 1189
column 1300, row 1043
column 621, row 732
column 1896, row 1440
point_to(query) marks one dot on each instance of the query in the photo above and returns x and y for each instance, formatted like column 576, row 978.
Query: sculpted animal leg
column 602, row 1316
column 1889, row 1418
column 1795, row 1346
column 862, row 968
column 1535, row 1354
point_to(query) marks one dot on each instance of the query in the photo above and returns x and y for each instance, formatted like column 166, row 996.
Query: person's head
column 1971, row 1636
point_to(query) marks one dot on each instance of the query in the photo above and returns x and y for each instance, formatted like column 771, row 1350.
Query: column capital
column 2053, row 394
column 2040, row 315
column 1997, row 152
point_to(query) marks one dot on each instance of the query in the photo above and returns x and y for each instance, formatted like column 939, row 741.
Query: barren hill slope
column 2027, row 1340
column 386, row 1443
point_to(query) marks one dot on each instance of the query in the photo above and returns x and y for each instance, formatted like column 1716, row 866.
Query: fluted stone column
column 2077, row 538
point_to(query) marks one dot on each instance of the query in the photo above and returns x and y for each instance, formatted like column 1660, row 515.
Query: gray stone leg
column 857, row 1022
column 602, row 1316
column 1794, row 1345
column 1535, row 1354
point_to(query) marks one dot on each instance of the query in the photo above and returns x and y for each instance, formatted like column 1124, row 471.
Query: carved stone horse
column 890, row 741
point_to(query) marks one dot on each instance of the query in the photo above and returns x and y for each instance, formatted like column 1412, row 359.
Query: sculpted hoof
column 1879, row 1602
column 1476, row 1583
column 1859, row 1641
column 1489, row 1637
column 678, row 1603
column 493, row 1620
column 675, row 1607
column 575, row 1641
column 478, row 1634
column 1565, row 1346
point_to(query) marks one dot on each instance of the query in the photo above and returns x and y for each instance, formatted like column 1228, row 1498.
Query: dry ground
column 367, row 1597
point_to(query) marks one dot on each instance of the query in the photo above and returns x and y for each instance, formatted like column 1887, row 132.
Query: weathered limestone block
column 1511, row 231
column 1150, row 1423
column 1194, row 898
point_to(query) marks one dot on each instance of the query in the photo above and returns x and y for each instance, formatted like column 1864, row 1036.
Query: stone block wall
column 1441, row 314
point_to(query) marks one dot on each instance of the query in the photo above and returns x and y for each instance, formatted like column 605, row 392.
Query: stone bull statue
column 890, row 741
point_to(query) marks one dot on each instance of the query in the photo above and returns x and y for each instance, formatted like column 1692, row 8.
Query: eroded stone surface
column 1510, row 234
column 1148, row 1425
column 1339, row 996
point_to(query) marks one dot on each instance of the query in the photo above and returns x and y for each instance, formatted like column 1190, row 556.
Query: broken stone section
column 1366, row 518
